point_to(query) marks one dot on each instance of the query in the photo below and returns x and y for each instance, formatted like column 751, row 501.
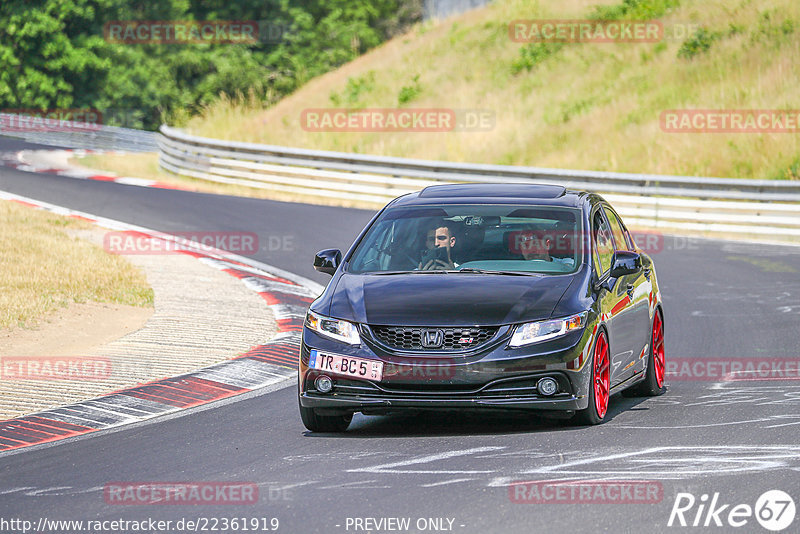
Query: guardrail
column 74, row 134
column 715, row 205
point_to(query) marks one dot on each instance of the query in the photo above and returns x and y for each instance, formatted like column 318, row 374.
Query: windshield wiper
column 387, row 273
column 452, row 271
column 489, row 271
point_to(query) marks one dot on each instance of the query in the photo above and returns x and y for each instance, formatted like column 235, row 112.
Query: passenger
column 536, row 245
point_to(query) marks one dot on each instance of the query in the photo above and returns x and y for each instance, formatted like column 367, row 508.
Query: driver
column 440, row 236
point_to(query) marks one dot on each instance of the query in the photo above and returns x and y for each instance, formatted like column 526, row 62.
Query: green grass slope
column 578, row 105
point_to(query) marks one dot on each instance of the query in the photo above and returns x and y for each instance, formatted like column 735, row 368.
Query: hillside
column 576, row 105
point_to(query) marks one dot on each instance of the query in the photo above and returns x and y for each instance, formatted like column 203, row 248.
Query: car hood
column 446, row 299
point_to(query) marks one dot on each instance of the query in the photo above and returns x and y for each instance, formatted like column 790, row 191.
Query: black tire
column 649, row 386
column 324, row 423
column 589, row 415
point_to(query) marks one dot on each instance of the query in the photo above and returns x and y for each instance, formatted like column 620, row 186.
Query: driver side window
column 603, row 245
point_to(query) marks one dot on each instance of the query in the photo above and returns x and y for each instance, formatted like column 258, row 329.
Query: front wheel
column 324, row 423
column 653, row 383
column 600, row 385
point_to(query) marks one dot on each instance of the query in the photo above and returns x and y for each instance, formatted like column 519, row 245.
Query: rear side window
column 603, row 246
column 616, row 229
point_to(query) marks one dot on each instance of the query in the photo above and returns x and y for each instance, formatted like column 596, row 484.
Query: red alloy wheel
column 658, row 349
column 601, row 376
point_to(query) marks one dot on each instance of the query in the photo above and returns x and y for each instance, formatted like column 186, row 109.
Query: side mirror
column 327, row 261
column 625, row 262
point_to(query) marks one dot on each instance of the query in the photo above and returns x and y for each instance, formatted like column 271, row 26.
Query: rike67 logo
column 774, row 510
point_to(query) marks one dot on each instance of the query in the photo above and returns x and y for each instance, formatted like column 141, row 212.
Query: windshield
column 452, row 238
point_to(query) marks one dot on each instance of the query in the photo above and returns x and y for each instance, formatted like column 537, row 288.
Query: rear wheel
column 653, row 383
column 600, row 384
column 324, row 423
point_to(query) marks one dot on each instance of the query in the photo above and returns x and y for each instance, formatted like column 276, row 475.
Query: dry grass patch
column 43, row 268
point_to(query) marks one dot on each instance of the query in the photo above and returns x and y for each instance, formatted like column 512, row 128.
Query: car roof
column 494, row 193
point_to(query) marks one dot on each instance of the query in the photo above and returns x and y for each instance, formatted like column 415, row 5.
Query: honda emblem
column 432, row 339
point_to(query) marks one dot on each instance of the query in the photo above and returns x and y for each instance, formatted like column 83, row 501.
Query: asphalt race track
column 737, row 438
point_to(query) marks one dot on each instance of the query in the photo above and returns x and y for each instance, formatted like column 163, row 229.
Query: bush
column 634, row 10
column 409, row 92
column 791, row 172
column 532, row 55
column 699, row 43
column 353, row 90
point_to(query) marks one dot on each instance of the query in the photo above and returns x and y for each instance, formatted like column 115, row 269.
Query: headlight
column 528, row 333
column 333, row 328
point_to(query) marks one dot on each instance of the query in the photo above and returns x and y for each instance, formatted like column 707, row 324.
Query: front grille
column 453, row 338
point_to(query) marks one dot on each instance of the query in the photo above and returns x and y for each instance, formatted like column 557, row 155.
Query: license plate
column 346, row 365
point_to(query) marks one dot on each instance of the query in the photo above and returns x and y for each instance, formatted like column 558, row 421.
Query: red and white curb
column 287, row 295
column 23, row 161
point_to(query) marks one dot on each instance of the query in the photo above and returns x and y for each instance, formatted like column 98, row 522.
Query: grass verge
column 44, row 268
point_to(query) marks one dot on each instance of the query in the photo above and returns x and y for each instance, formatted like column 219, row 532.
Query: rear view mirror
column 327, row 261
column 625, row 262
column 485, row 220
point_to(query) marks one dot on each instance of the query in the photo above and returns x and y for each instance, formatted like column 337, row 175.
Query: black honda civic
column 483, row 297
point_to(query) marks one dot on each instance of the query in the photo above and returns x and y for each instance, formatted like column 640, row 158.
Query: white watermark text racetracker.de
column 184, row 524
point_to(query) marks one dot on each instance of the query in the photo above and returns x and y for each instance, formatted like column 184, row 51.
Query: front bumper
column 497, row 378
column 340, row 404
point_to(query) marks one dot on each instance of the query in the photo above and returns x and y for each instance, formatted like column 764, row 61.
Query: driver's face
column 443, row 237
